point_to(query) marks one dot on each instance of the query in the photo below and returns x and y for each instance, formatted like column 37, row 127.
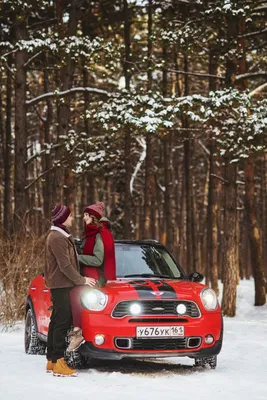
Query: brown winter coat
column 61, row 262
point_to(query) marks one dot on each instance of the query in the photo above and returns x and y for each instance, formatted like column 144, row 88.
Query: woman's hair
column 95, row 221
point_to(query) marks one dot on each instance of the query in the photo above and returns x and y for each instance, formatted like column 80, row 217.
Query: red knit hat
column 59, row 214
column 96, row 209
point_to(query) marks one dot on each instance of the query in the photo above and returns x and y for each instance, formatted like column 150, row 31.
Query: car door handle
column 45, row 290
column 33, row 288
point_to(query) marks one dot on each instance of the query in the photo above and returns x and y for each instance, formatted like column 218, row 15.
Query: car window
column 144, row 259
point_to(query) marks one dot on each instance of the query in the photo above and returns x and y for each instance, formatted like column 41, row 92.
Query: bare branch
column 219, row 177
column 251, row 75
column 41, row 24
column 253, row 34
column 258, row 90
column 262, row 8
column 39, row 115
column 32, row 58
column 39, row 177
column 65, row 93
column 10, row 52
column 196, row 74
column 206, row 150
column 40, row 153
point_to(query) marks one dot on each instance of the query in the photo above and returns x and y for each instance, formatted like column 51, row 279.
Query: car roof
column 150, row 242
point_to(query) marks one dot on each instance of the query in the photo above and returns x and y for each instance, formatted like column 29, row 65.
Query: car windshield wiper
column 149, row 276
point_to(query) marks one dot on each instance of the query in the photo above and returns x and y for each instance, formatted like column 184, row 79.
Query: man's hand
column 90, row 282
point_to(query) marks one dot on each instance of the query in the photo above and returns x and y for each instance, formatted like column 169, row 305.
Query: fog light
column 181, row 309
column 209, row 339
column 99, row 339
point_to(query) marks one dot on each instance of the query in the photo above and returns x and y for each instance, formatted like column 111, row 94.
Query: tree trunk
column 212, row 230
column 149, row 142
column 167, row 162
column 154, row 209
column 20, row 177
column 47, row 185
column 254, row 235
column 7, row 154
column 2, row 146
column 253, row 228
column 230, row 261
column 89, row 198
column 66, row 78
column 167, row 154
column 264, row 210
column 190, row 233
column 127, row 138
column 190, row 264
column 230, row 201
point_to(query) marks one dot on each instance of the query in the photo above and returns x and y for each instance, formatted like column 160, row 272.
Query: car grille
column 159, row 344
column 156, row 307
column 157, row 320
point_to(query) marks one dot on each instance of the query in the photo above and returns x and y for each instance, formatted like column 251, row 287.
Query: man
column 61, row 275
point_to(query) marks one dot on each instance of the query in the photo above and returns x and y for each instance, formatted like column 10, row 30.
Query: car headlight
column 135, row 309
column 209, row 299
column 94, row 300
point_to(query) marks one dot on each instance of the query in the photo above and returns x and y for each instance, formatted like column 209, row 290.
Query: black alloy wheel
column 32, row 344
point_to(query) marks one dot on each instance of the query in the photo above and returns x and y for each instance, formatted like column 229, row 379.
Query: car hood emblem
column 157, row 293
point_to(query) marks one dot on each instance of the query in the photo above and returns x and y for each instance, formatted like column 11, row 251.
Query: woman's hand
column 90, row 282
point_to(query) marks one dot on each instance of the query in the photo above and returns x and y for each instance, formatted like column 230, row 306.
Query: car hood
column 153, row 289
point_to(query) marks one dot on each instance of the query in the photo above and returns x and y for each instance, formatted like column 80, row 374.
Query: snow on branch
column 142, row 157
column 237, row 122
column 65, row 93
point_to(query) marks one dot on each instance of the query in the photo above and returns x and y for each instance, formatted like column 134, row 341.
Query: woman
column 97, row 263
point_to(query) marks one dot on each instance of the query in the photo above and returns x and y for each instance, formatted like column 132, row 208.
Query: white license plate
column 159, row 331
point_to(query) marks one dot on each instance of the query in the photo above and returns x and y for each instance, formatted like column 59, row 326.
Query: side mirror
column 196, row 277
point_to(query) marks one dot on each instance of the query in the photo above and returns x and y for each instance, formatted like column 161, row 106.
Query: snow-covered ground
column 240, row 374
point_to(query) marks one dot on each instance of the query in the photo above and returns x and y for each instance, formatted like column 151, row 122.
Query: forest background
column 157, row 108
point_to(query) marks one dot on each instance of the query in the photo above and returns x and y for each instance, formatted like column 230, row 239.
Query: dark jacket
column 61, row 262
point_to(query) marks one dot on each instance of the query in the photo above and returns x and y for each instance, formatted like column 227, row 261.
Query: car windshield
column 146, row 261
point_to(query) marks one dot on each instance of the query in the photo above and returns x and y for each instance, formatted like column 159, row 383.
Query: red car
column 151, row 310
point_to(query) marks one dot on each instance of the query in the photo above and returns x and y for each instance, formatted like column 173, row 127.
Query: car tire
column 76, row 360
column 203, row 362
column 32, row 344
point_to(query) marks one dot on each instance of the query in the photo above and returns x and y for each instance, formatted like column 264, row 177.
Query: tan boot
column 76, row 339
column 49, row 366
column 62, row 369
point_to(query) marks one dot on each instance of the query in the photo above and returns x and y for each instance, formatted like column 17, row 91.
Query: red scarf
column 109, row 251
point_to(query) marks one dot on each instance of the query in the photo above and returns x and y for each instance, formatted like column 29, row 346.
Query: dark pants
column 75, row 298
column 60, row 323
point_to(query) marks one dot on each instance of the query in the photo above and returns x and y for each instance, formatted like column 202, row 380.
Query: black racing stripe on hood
column 143, row 289
column 147, row 289
column 168, row 290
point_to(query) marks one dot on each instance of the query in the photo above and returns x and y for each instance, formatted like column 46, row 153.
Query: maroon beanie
column 96, row 209
column 60, row 214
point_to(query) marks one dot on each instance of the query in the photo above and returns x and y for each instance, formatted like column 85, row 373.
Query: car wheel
column 32, row 343
column 76, row 360
column 203, row 362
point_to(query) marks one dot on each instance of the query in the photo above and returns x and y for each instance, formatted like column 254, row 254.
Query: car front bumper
column 89, row 351
column 112, row 329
